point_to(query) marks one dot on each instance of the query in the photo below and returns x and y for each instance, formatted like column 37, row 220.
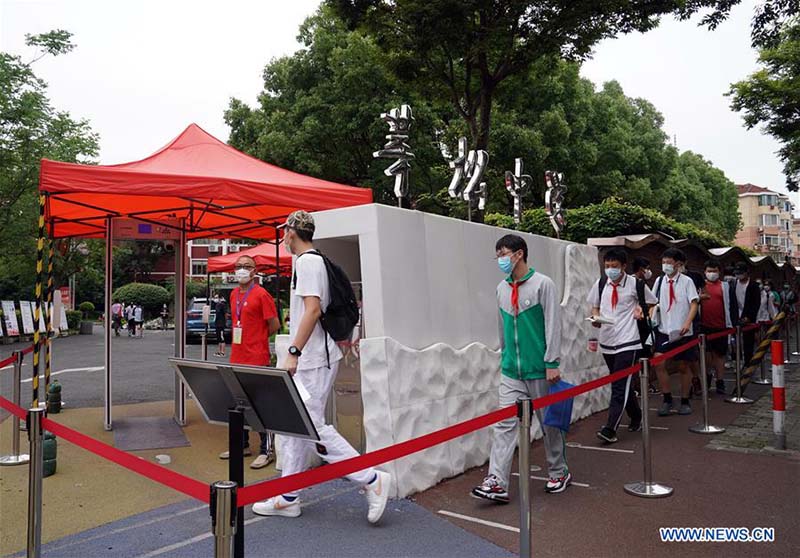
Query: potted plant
column 87, row 326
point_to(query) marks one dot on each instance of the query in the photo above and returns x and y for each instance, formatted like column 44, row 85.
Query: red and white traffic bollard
column 778, row 396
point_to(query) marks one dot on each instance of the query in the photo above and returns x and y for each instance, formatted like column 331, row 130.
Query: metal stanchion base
column 648, row 490
column 11, row 460
column 703, row 429
column 741, row 400
column 762, row 381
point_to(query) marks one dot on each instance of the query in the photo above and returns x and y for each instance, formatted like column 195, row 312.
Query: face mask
column 713, row 277
column 243, row 276
column 766, row 289
column 286, row 242
column 669, row 269
column 740, row 276
column 648, row 274
column 505, row 265
column 613, row 273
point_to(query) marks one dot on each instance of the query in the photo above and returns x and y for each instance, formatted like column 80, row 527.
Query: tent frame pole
column 180, row 322
column 107, row 424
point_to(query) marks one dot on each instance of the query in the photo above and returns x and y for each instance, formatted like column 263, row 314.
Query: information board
column 10, row 318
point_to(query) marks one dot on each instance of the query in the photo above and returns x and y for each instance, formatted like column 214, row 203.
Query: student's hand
column 638, row 313
column 598, row 325
column 290, row 364
column 704, row 295
column 553, row 375
column 653, row 311
column 685, row 329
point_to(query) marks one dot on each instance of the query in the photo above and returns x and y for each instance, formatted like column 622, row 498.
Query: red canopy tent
column 263, row 254
column 197, row 185
column 221, row 192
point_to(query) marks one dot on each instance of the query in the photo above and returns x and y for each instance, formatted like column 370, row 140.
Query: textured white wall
column 429, row 358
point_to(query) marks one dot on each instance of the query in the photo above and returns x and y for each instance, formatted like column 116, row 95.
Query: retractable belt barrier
column 274, row 487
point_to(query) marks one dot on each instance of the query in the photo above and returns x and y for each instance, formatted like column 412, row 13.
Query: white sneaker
column 262, row 461
column 278, row 506
column 377, row 493
column 226, row 455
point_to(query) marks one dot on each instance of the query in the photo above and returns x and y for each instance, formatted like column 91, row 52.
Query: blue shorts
column 664, row 346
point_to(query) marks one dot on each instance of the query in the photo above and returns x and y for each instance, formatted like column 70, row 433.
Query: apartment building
column 768, row 224
column 197, row 253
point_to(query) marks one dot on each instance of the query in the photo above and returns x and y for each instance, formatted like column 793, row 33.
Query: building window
column 768, row 199
column 769, row 220
column 786, row 224
column 770, row 240
column 199, row 267
column 787, row 206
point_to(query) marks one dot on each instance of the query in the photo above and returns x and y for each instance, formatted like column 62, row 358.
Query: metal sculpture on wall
column 554, row 200
column 399, row 121
column 516, row 184
column 468, row 169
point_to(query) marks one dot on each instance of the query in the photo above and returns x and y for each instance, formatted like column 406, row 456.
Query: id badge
column 237, row 336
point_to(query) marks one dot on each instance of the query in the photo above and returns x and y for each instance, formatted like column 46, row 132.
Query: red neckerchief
column 671, row 294
column 614, row 296
column 515, row 294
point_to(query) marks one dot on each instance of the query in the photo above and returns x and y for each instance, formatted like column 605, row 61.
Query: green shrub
column 74, row 318
column 194, row 289
column 86, row 307
column 151, row 297
column 611, row 217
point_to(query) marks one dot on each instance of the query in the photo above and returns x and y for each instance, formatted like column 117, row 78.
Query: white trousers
column 332, row 446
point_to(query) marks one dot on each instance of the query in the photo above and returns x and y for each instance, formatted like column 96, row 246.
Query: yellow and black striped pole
column 761, row 350
column 48, row 319
column 38, row 306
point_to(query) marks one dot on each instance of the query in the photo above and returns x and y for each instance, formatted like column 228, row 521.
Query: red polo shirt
column 253, row 310
column 713, row 309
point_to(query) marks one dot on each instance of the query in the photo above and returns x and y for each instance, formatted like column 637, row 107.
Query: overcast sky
column 145, row 69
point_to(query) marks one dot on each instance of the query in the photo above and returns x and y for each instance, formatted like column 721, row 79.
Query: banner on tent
column 27, row 316
column 10, row 318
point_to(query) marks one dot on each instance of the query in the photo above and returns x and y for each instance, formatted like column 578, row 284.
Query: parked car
column 195, row 326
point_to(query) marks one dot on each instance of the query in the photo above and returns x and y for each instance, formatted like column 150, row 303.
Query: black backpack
column 341, row 316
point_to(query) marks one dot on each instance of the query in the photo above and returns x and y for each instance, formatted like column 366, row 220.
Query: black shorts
column 664, row 346
column 220, row 330
column 717, row 346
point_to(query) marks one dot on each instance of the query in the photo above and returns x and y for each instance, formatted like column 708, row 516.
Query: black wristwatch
column 294, row 351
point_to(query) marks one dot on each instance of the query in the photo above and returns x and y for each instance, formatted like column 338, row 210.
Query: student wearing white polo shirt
column 620, row 297
column 677, row 306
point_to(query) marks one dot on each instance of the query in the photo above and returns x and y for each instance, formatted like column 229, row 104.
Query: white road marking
column 534, row 477
column 479, row 521
column 87, row 369
column 595, row 448
column 198, row 538
column 651, row 428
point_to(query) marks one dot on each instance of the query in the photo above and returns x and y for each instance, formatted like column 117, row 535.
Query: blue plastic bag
column 559, row 415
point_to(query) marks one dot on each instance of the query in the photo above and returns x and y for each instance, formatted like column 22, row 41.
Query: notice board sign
column 134, row 229
column 27, row 316
column 10, row 318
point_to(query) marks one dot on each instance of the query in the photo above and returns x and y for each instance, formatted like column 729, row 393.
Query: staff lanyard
column 240, row 303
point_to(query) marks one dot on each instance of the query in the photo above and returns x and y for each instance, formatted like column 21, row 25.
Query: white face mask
column 713, row 277
column 647, row 274
column 242, row 275
column 668, row 269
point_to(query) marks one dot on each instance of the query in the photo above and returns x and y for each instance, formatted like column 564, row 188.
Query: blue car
column 195, row 326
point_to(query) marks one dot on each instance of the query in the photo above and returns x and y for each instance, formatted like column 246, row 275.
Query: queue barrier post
column 778, row 398
column 704, row 427
column 15, row 457
column 223, row 517
column 524, row 407
column 646, row 488
column 762, row 379
column 738, row 398
column 796, row 335
column 35, row 474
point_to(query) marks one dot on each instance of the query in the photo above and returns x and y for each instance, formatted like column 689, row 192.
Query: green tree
column 465, row 50
column 30, row 129
column 770, row 97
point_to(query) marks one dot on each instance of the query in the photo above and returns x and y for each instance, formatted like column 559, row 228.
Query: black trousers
column 622, row 396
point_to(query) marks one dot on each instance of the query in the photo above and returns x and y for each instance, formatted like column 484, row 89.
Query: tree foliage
column 151, row 297
column 770, row 97
column 30, row 129
column 318, row 114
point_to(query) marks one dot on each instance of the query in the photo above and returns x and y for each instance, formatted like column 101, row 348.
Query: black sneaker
column 635, row 426
column 491, row 489
column 560, row 484
column 654, row 389
column 607, row 435
column 721, row 387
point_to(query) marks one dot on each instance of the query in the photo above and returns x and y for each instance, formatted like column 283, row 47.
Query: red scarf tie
column 614, row 296
column 671, row 294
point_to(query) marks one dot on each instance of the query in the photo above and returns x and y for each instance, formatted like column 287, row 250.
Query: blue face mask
column 505, row 265
column 613, row 273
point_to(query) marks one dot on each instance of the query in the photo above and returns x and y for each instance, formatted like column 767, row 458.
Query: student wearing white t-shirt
column 313, row 361
column 621, row 300
column 677, row 306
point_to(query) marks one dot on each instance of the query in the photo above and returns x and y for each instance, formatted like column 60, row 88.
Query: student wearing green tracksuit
column 530, row 338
